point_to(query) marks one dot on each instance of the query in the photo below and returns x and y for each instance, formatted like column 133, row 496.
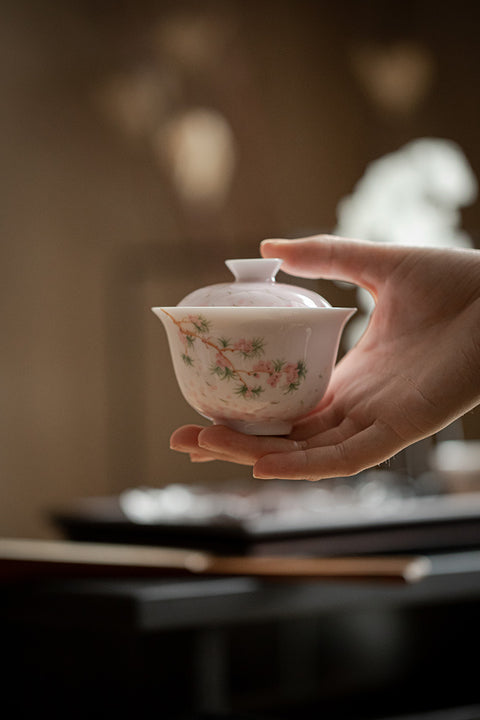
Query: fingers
column 360, row 262
column 240, row 448
column 221, row 443
column 201, row 457
column 185, row 440
column 365, row 449
column 332, row 453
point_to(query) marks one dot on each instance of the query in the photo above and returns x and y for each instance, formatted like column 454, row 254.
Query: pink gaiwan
column 254, row 354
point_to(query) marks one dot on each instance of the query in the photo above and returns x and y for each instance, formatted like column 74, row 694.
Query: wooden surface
column 25, row 558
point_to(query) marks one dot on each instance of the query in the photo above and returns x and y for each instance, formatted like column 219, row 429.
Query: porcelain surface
column 254, row 286
column 248, row 361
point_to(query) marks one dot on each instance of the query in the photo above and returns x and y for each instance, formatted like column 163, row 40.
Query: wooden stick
column 25, row 558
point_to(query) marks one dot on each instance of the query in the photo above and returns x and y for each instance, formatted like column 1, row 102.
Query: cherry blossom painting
column 240, row 360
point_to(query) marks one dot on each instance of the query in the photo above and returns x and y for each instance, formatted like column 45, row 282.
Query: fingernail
column 198, row 458
column 205, row 445
column 178, row 448
column 262, row 475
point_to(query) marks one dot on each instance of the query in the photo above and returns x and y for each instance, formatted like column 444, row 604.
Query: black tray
column 423, row 524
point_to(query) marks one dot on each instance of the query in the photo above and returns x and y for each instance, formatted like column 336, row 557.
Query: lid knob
column 254, row 269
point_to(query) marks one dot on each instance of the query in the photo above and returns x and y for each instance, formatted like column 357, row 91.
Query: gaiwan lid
column 254, row 286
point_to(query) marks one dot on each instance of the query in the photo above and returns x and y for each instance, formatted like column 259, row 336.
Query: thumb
column 357, row 261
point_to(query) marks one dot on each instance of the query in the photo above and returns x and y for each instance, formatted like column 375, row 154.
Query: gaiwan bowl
column 254, row 355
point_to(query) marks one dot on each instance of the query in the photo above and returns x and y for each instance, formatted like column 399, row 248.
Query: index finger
column 357, row 261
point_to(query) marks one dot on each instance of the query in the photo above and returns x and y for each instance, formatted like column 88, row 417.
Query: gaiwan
column 254, row 354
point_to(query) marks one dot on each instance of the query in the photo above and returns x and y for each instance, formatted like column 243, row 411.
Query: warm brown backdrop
column 94, row 233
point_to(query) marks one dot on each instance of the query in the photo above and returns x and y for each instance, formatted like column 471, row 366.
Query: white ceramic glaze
column 244, row 359
column 256, row 370
column 254, row 286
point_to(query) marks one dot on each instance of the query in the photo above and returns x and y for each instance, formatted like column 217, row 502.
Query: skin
column 414, row 371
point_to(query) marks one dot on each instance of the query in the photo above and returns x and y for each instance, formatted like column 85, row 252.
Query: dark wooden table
column 243, row 645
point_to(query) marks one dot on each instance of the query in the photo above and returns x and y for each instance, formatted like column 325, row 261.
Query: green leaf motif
column 292, row 387
column 257, row 347
column 224, row 373
column 277, row 373
column 302, row 369
column 249, row 392
column 201, row 324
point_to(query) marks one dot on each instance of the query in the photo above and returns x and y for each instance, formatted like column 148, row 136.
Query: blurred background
column 142, row 143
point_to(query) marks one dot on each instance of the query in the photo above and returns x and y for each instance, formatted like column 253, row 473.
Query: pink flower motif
column 291, row 372
column 273, row 379
column 264, row 366
column 243, row 345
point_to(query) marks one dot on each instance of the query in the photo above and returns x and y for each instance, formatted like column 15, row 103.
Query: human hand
column 414, row 371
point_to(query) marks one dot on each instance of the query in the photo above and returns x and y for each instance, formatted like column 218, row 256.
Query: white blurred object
column 241, row 501
column 411, row 197
column 457, row 463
